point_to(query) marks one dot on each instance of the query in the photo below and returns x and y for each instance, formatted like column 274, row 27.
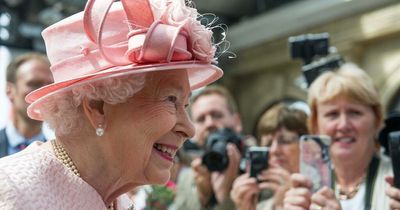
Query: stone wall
column 265, row 73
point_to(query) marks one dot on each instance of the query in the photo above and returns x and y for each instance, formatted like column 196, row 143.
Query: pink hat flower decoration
column 127, row 37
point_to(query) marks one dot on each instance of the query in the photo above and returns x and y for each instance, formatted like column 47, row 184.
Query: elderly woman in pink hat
column 123, row 74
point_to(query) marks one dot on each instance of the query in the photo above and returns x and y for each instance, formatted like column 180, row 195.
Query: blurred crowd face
column 30, row 76
column 351, row 125
column 284, row 149
column 209, row 113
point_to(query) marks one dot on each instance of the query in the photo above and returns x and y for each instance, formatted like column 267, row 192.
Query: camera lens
column 215, row 161
column 215, row 155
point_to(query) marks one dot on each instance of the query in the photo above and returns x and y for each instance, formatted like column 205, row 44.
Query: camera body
column 394, row 145
column 392, row 123
column 307, row 46
column 314, row 50
column 314, row 69
column 258, row 159
column 215, row 156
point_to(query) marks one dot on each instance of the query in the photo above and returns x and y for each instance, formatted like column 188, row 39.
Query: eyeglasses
column 282, row 141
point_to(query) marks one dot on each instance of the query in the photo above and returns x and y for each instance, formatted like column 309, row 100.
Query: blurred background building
column 366, row 32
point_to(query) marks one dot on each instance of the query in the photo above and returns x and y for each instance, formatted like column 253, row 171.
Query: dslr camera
column 215, row 156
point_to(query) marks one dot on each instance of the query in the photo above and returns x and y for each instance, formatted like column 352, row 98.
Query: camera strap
column 371, row 178
column 370, row 181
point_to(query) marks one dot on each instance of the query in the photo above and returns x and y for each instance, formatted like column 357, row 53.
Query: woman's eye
column 172, row 99
column 331, row 114
column 355, row 113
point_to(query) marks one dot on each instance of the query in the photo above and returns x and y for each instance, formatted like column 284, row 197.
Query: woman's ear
column 94, row 111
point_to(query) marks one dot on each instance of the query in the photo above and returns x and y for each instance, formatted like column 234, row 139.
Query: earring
column 99, row 130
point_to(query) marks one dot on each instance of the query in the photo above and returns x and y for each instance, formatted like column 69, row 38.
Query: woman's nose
column 185, row 125
column 274, row 148
column 344, row 122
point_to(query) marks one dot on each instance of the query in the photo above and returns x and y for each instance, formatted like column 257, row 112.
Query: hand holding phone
column 315, row 161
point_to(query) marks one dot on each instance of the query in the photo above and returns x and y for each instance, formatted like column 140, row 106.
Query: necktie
column 22, row 145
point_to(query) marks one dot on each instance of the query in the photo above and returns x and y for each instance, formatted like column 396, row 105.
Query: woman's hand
column 219, row 183
column 222, row 181
column 202, row 178
column 325, row 199
column 393, row 193
column 245, row 192
column 298, row 197
column 276, row 179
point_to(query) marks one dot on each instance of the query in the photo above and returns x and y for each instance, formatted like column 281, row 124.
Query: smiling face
column 150, row 127
column 352, row 127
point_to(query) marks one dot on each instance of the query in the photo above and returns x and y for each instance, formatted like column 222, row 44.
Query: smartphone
column 258, row 160
column 394, row 148
column 315, row 162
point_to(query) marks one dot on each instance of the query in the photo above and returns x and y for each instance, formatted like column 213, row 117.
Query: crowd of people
column 141, row 110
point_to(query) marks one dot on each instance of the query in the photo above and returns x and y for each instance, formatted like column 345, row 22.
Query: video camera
column 316, row 54
column 215, row 156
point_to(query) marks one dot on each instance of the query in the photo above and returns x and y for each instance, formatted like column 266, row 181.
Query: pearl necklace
column 62, row 155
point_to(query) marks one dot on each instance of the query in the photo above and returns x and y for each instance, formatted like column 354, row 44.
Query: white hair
column 63, row 112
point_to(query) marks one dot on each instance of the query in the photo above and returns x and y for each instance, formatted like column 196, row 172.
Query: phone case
column 394, row 147
column 315, row 161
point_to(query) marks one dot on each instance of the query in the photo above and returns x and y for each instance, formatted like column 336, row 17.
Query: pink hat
column 131, row 36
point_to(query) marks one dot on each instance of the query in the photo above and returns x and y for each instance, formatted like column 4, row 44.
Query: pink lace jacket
column 36, row 179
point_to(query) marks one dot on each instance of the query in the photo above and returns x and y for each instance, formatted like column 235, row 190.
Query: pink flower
column 176, row 13
column 201, row 40
column 171, row 185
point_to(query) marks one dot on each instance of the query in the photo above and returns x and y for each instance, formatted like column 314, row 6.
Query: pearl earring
column 99, row 130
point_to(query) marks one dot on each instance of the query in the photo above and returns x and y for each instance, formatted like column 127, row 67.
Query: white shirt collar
column 15, row 137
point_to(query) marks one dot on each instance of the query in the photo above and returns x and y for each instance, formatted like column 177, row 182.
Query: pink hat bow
column 97, row 44
column 148, row 40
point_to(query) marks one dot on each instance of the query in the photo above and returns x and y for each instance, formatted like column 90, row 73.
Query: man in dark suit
column 25, row 73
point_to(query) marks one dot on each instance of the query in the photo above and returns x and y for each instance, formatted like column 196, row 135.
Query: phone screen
column 315, row 161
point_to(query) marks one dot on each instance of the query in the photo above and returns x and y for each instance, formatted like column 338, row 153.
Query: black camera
column 258, row 159
column 394, row 145
column 392, row 123
column 314, row 69
column 215, row 156
column 309, row 47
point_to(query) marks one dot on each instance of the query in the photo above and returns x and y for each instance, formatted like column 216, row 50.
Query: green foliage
column 159, row 197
